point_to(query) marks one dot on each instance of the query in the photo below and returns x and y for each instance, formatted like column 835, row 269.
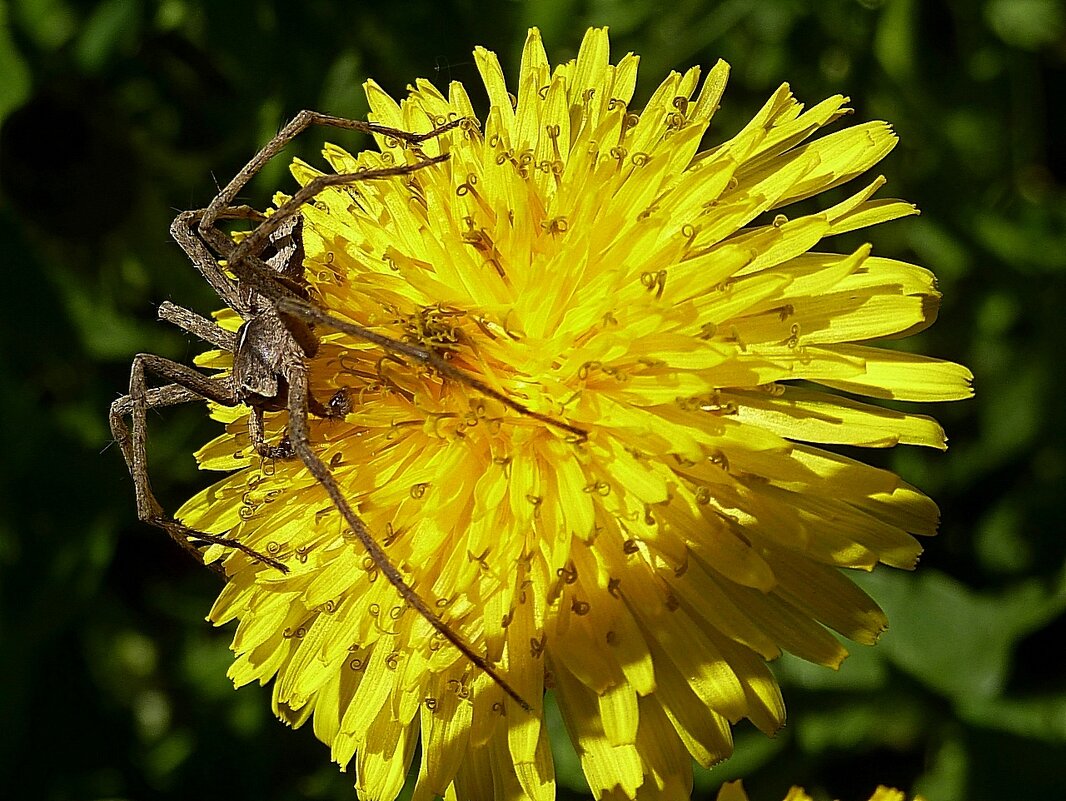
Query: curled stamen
column 371, row 568
column 536, row 646
column 470, row 126
column 556, row 225
column 468, row 187
column 649, row 518
column 654, row 281
column 587, row 368
column 601, row 488
column 793, row 340
column 568, row 574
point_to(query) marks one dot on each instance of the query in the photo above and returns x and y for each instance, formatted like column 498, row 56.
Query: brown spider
column 271, row 351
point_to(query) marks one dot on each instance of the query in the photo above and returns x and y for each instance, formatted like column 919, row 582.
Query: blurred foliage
column 116, row 113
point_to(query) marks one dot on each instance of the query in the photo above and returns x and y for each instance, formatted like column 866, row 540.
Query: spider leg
column 242, row 258
column 251, row 271
column 184, row 231
column 198, row 326
column 337, row 408
column 300, row 436
column 312, row 314
column 257, row 433
column 256, row 240
column 187, row 385
column 294, row 128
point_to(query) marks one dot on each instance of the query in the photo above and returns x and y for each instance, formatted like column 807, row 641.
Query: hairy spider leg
column 294, row 128
column 183, row 231
column 312, row 314
column 186, row 385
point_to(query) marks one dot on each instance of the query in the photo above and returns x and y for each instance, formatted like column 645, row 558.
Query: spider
column 271, row 350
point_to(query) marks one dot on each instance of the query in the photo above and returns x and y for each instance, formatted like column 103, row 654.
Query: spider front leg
column 299, row 434
column 186, row 385
column 310, row 313
column 300, row 123
column 241, row 257
column 184, row 230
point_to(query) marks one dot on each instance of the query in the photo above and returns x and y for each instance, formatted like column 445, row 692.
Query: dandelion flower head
column 593, row 263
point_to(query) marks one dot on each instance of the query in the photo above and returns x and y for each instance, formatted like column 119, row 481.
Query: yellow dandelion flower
column 595, row 265
column 734, row 791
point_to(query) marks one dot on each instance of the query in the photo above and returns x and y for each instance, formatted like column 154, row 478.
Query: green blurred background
column 114, row 114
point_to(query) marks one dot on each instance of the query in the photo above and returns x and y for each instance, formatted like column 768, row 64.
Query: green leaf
column 956, row 641
column 15, row 86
